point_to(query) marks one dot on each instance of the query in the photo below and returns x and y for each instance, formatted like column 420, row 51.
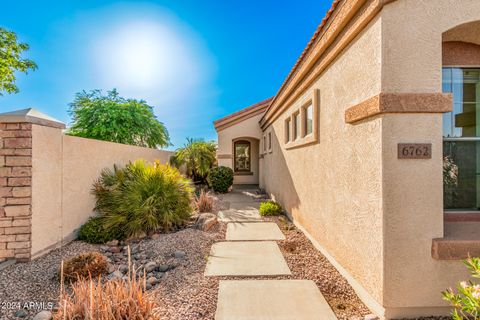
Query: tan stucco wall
column 413, row 204
column 46, row 187
column 334, row 188
column 64, row 169
column 245, row 130
column 374, row 214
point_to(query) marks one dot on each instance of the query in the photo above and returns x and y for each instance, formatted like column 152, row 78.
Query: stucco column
column 16, row 181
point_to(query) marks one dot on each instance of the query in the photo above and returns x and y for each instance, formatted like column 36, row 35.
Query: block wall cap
column 31, row 115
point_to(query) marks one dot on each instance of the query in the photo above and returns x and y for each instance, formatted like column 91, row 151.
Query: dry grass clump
column 84, row 266
column 115, row 299
column 204, row 202
column 108, row 300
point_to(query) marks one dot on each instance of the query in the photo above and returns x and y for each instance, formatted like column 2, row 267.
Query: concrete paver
column 252, row 258
column 248, row 231
column 271, row 300
column 235, row 215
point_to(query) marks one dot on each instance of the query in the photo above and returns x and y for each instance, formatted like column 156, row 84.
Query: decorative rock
column 112, row 243
column 111, row 268
column 370, row 317
column 152, row 281
column 163, row 267
column 123, row 268
column 43, row 315
column 179, row 254
column 114, row 249
column 155, row 236
column 148, row 286
column 149, row 267
column 206, row 221
column 115, row 275
column 21, row 313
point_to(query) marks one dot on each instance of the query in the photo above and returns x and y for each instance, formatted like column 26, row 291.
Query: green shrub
column 142, row 198
column 270, row 208
column 84, row 266
column 93, row 231
column 221, row 179
column 466, row 301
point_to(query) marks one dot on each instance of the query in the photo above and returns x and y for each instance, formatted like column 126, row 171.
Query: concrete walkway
column 251, row 250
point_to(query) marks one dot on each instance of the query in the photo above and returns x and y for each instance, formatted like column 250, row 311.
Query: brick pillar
column 15, row 191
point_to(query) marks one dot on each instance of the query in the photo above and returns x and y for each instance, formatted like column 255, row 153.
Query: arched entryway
column 245, row 160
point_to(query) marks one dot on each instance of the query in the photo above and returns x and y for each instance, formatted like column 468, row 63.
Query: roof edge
column 243, row 114
column 323, row 32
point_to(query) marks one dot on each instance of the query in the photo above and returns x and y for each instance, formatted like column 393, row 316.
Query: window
column 296, row 125
column 288, row 122
column 242, row 156
column 269, row 141
column 308, row 119
column 461, row 139
column 264, row 144
column 302, row 124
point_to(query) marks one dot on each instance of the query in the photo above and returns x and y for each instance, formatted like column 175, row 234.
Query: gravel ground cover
column 182, row 290
column 35, row 281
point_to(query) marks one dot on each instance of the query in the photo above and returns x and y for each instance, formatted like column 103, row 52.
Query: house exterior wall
column 413, row 189
column 245, row 130
column 373, row 214
column 333, row 188
column 63, row 170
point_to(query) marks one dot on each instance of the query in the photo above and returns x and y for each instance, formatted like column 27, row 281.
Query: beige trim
column 312, row 138
column 348, row 21
column 399, row 103
column 241, row 115
column 224, row 156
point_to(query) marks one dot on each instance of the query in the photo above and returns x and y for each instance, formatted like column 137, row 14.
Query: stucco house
column 372, row 145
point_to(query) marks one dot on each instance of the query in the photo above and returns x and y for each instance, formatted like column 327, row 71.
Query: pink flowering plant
column 466, row 301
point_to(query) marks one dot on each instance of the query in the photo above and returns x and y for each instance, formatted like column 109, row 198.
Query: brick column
column 15, row 191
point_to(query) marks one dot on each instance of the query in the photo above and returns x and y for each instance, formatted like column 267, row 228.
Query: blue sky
column 194, row 61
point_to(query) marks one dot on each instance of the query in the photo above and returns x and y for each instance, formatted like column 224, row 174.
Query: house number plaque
column 414, row 151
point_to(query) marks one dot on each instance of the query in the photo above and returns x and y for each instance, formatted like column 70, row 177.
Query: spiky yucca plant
column 142, row 198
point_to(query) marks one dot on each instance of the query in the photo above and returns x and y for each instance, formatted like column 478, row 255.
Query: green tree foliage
column 11, row 60
column 466, row 301
column 197, row 156
column 142, row 198
column 113, row 118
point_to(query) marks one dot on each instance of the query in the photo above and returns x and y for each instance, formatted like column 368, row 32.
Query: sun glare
column 145, row 58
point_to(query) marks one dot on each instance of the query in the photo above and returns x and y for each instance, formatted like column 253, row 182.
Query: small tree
column 10, row 61
column 198, row 157
column 112, row 118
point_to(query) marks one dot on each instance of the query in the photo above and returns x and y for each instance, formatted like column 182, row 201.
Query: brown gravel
column 184, row 293
column 35, row 281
